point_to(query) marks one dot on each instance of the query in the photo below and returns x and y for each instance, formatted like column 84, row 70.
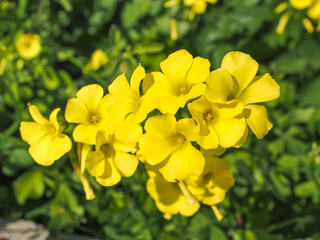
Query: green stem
column 280, row 225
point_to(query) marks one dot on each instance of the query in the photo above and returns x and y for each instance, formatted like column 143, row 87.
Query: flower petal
column 262, row 89
column 136, row 78
column 197, row 108
column 91, row 96
column 221, row 87
column 146, row 106
column 111, row 175
column 36, row 115
column 129, row 132
column 230, row 131
column 257, row 118
column 183, row 162
column 241, row 66
column 126, row 163
column 176, row 67
column 187, row 210
column 155, row 148
column 314, row 11
column 95, row 163
column 53, row 119
column 121, row 90
column 209, row 141
column 77, row 112
column 198, row 72
column 186, row 127
column 32, row 132
column 298, row 4
column 86, row 133
column 164, row 125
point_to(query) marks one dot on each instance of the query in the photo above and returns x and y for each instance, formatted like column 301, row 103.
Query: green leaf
column 306, row 189
column 66, row 4
column 310, row 94
column 217, row 233
column 29, row 185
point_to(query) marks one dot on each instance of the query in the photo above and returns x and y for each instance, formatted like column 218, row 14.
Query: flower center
column 94, row 119
column 183, row 90
column 181, row 138
column 207, row 116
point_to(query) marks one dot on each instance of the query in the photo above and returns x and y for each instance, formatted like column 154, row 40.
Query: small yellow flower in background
column 28, row 46
column 168, row 196
column 197, row 6
column 182, row 80
column 167, row 142
column 236, row 81
column 3, row 64
column 284, row 19
column 90, row 110
column 217, row 123
column 98, row 59
column 111, row 160
column 47, row 143
column 211, row 186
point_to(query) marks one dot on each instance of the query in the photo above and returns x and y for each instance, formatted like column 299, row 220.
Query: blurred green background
column 277, row 190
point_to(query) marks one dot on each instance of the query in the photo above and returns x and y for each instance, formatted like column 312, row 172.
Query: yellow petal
column 95, row 163
column 198, row 72
column 76, row 111
column 37, row 116
column 187, row 210
column 53, row 119
column 164, row 124
column 308, row 25
column 257, row 118
column 186, row 127
column 229, row 131
column 195, row 91
column 126, row 163
column 155, row 148
column 314, row 11
column 214, row 197
column 164, row 94
column 129, row 132
column 183, row 162
column 91, row 96
column 121, row 90
column 199, row 7
column 197, row 108
column 145, row 107
column 136, row 78
column 221, row 87
column 262, row 89
column 104, row 105
column 189, row 2
column 241, row 66
column 31, row 132
column 83, row 150
column 49, row 149
column 209, row 141
column 111, row 175
column 176, row 67
column 300, row 4
column 86, row 133
column 118, row 112
column 148, row 81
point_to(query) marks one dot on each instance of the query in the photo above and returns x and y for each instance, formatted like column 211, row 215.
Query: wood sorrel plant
column 197, row 115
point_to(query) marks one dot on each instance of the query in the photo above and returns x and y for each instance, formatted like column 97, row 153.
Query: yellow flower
column 182, row 80
column 236, row 81
column 98, row 59
column 3, row 64
column 90, row 110
column 168, row 142
column 301, row 4
column 282, row 23
column 47, row 143
column 217, row 123
column 128, row 101
column 28, row 45
column 111, row 160
column 198, row 6
column 314, row 10
column 168, row 196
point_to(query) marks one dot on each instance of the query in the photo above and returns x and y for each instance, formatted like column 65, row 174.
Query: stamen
column 181, row 138
column 94, row 119
column 208, row 116
column 183, row 90
column 186, row 193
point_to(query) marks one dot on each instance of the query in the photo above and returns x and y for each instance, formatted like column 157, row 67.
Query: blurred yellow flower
column 90, row 110
column 28, row 46
column 182, row 80
column 168, row 143
column 3, row 64
column 111, row 160
column 98, row 59
column 236, row 81
column 47, row 143
column 168, row 196
column 211, row 186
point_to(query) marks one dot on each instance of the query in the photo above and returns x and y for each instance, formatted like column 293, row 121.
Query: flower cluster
column 176, row 121
column 313, row 12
